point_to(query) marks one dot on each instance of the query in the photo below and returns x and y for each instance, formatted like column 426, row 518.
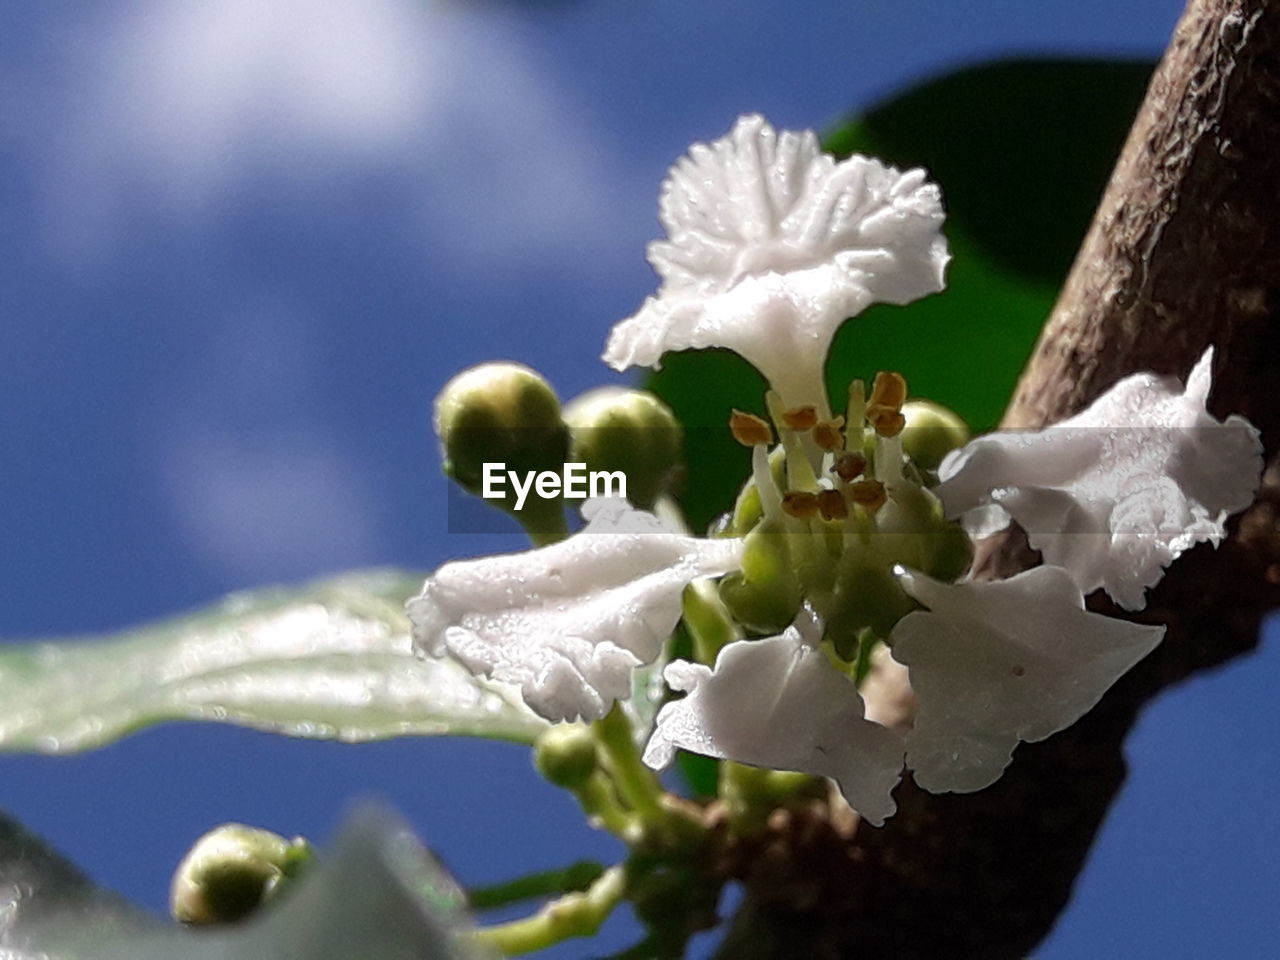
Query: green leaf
column 1022, row 150
column 378, row 897
column 331, row 660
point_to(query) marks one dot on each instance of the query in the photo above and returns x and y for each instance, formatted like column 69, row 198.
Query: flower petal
column 1117, row 492
column 772, row 245
column 569, row 622
column 779, row 703
column 993, row 664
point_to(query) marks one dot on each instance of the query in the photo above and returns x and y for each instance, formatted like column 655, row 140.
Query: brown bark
column 1183, row 253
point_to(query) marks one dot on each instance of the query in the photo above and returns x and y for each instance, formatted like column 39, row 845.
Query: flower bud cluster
column 505, row 420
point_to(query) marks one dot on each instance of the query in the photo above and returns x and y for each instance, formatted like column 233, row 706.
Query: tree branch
column 1184, row 252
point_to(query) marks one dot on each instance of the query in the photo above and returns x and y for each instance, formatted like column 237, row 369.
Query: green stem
column 638, row 785
column 573, row 915
column 571, row 879
column 600, row 802
column 742, row 789
column 750, row 794
column 711, row 626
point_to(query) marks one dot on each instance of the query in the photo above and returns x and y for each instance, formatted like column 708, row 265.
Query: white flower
column 1117, row 492
column 992, row 664
column 772, row 245
column 779, row 703
column 568, row 623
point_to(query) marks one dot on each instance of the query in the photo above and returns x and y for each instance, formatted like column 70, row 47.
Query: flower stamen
column 801, row 418
column 762, row 477
column 750, row 430
column 849, row 466
column 884, row 410
column 827, row 434
column 803, row 458
column 800, row 504
column 855, row 416
column 832, row 505
column 871, row 495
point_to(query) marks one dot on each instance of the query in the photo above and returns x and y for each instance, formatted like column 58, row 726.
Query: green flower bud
column 932, row 431
column 566, row 755
column 504, row 413
column 911, row 530
column 868, row 596
column 952, row 554
column 929, row 542
column 630, row 431
column 231, row 871
column 766, row 594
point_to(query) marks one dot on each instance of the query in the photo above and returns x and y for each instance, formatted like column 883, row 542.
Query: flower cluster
column 853, row 532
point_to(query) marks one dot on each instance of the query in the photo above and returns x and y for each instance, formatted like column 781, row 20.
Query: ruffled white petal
column 569, row 622
column 779, row 703
column 772, row 244
column 993, row 664
column 1117, row 492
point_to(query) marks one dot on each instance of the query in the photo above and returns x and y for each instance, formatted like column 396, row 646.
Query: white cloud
column 277, row 510
column 179, row 106
column 257, row 483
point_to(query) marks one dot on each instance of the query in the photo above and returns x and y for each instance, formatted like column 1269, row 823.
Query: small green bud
column 231, row 871
column 566, row 755
column 932, row 431
column 766, row 594
column 630, row 431
column 910, row 529
column 504, row 413
column 868, row 597
column 952, row 554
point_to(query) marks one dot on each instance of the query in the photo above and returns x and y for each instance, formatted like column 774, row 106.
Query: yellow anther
column 749, row 430
column 826, row 434
column 849, row 466
column 889, row 390
column 887, row 421
column 869, row 494
column 800, row 504
column 832, row 505
column 800, row 418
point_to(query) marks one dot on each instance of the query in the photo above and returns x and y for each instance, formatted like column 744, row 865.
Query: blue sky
column 246, row 241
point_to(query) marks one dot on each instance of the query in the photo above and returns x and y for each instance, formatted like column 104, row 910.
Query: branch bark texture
column 1184, row 252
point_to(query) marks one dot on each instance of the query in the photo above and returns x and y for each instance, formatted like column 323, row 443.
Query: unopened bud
column 627, row 431
column 231, row 871
column 503, row 413
column 931, row 433
column 765, row 595
column 566, row 755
